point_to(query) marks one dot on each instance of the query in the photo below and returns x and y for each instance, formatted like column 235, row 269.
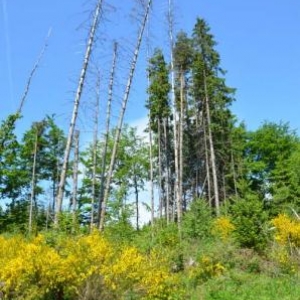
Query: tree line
column 196, row 149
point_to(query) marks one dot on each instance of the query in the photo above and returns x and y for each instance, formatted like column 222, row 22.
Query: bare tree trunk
column 136, row 191
column 75, row 177
column 26, row 91
column 95, row 144
column 167, row 173
column 160, row 183
column 151, row 172
column 35, row 67
column 180, row 179
column 171, row 40
column 224, row 187
column 234, row 174
column 61, row 187
column 120, row 123
column 150, row 138
column 48, row 214
column 207, row 163
column 212, row 151
column 32, row 196
column 108, row 112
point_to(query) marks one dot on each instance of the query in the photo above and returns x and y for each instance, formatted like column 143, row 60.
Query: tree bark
column 180, row 184
column 207, row 166
column 167, row 171
column 35, row 67
column 120, row 123
column 108, row 113
column 212, row 150
column 136, row 191
column 234, row 174
column 160, row 181
column 32, row 196
column 151, row 172
column 61, row 187
column 95, row 144
column 171, row 40
column 75, row 178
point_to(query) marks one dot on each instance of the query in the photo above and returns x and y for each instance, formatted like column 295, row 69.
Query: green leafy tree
column 271, row 153
column 129, row 178
column 12, row 176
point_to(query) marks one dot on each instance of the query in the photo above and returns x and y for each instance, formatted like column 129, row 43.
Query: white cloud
column 141, row 124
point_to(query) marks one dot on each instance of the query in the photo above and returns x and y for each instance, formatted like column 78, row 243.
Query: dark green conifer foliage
column 159, row 89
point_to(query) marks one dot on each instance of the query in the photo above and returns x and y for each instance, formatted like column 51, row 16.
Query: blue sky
column 258, row 41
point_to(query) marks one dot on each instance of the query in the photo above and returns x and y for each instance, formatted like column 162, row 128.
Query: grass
column 245, row 286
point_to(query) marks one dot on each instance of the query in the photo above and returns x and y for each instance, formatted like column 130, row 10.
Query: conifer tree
column 213, row 98
column 159, row 109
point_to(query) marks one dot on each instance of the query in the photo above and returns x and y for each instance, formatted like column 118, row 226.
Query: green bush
column 197, row 220
column 249, row 219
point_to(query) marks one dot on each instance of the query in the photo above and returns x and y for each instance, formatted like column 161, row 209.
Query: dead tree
column 89, row 46
column 150, row 137
column 121, row 117
column 14, row 117
column 95, row 144
column 34, row 69
column 107, row 129
column 171, row 41
column 75, row 177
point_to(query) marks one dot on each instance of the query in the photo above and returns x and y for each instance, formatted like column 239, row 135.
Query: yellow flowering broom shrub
column 287, row 231
column 222, row 228
column 205, row 268
column 287, row 236
column 36, row 270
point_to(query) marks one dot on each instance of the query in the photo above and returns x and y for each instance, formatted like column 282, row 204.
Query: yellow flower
column 222, row 227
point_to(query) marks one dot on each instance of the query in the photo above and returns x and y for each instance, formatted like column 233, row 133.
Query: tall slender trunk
column 171, row 40
column 233, row 174
column 160, row 181
column 95, row 144
column 34, row 69
column 33, row 179
column 120, row 123
column 55, row 181
column 150, row 137
column 224, row 187
column 75, row 178
column 89, row 46
column 136, row 192
column 53, row 195
column 207, row 163
column 180, row 183
column 151, row 172
column 48, row 214
column 212, row 149
column 107, row 128
column 167, row 170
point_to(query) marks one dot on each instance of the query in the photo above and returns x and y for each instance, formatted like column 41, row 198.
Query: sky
column 258, row 41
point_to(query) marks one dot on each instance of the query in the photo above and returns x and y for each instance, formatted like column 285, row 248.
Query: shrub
column 197, row 220
column 83, row 265
column 205, row 268
column 249, row 219
column 222, row 227
column 287, row 238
